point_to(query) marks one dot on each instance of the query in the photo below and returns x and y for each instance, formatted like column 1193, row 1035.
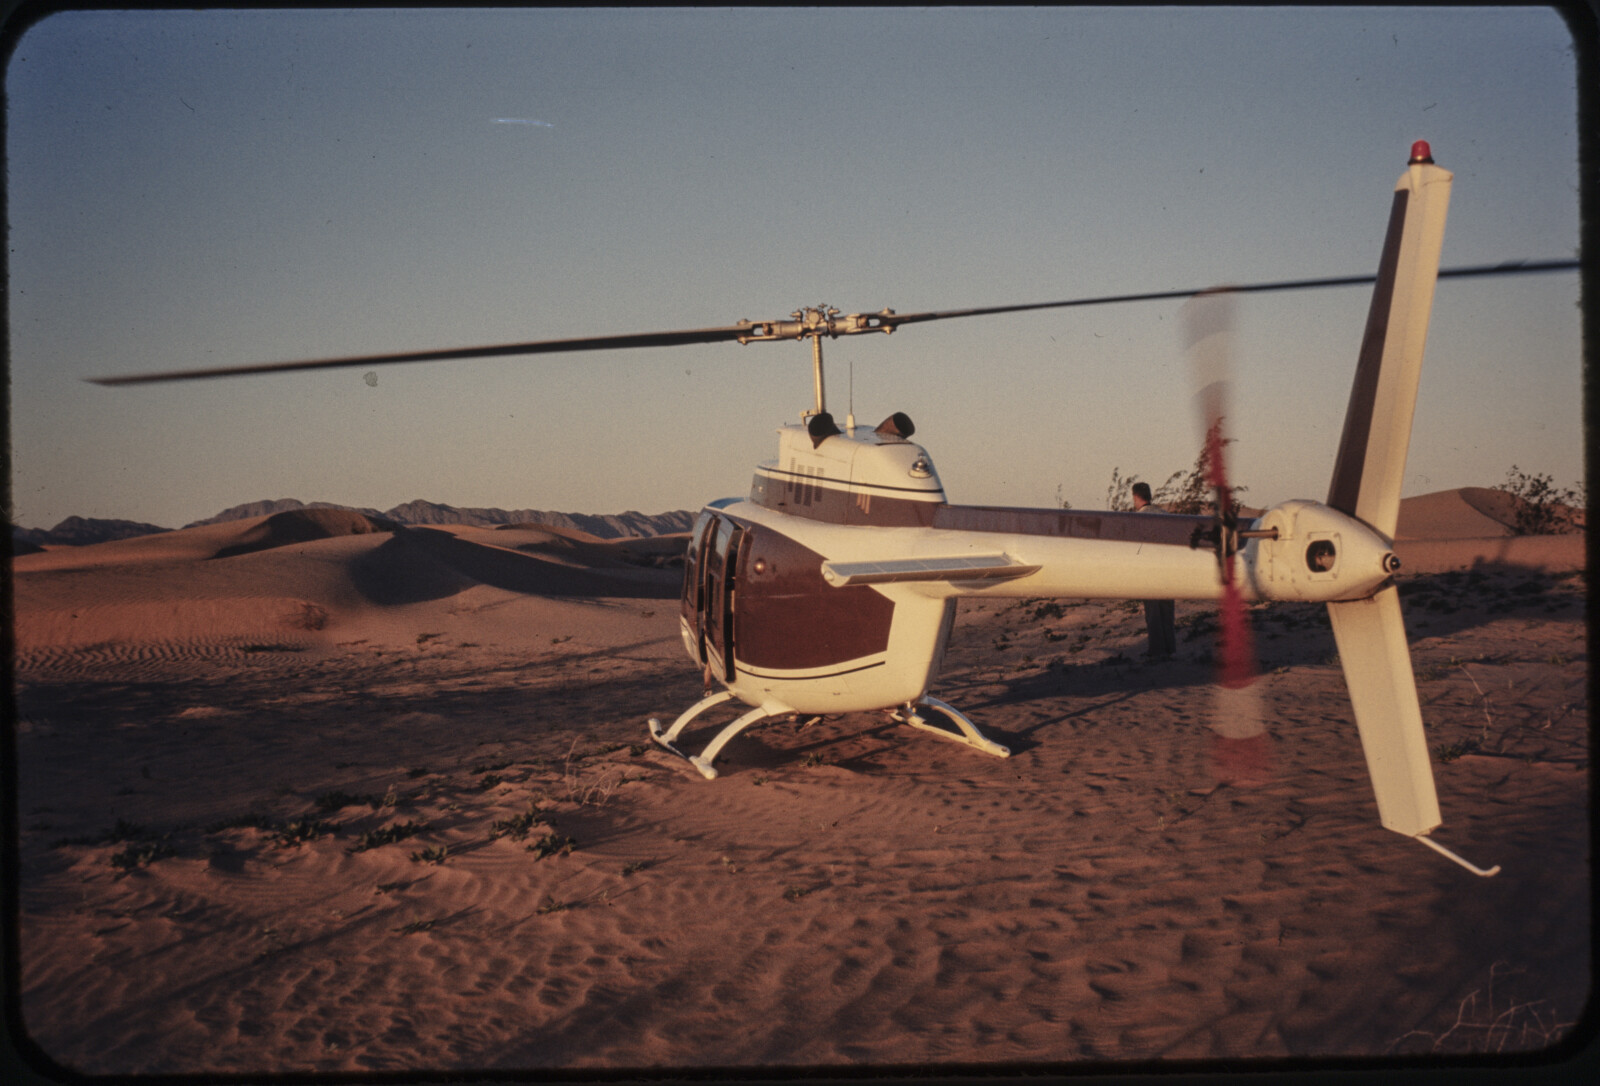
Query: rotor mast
column 814, row 322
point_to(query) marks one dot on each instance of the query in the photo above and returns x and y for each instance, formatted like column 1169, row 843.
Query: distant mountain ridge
column 82, row 531
column 268, row 506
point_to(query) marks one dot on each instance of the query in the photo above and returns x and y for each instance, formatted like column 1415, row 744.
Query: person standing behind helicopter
column 1160, row 616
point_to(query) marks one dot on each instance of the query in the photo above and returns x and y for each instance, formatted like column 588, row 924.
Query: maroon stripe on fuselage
column 1168, row 528
column 1345, row 489
column 787, row 617
column 810, row 677
column 817, row 500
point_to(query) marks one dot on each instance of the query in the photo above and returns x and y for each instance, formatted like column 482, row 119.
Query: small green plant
column 388, row 835
column 140, row 855
column 633, row 866
column 795, row 893
column 434, row 855
column 551, row 905
column 300, row 830
column 517, row 826
column 415, row 926
column 811, row 760
column 552, row 844
column 1449, row 752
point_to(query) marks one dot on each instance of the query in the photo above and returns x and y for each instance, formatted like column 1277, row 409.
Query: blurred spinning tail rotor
column 1240, row 752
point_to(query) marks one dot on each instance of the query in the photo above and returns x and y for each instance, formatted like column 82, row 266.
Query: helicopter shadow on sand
column 1115, row 681
column 1075, row 689
column 418, row 564
column 1439, row 605
column 1286, row 635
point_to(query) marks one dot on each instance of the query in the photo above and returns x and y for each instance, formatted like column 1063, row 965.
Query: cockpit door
column 693, row 604
column 719, row 569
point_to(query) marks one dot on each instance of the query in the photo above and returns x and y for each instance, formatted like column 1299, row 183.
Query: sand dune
column 301, row 526
column 253, row 586
column 1466, row 513
column 311, row 796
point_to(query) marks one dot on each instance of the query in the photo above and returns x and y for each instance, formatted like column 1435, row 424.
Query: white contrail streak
column 521, row 120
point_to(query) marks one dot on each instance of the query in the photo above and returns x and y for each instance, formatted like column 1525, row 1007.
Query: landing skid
column 703, row 760
column 969, row 735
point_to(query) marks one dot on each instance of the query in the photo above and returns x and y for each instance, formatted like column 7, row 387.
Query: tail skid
column 1472, row 867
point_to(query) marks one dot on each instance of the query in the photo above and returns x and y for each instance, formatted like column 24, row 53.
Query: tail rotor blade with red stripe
column 1239, row 745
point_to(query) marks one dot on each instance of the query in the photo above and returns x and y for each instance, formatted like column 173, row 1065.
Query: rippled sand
column 326, row 806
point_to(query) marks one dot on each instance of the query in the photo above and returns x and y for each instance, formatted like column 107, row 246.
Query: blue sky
column 205, row 188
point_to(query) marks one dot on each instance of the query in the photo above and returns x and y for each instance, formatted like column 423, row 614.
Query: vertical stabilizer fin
column 1383, row 692
column 1377, row 424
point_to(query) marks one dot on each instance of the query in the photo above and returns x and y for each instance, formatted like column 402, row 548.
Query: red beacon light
column 1421, row 154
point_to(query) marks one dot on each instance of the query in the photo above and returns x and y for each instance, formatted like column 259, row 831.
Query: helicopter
column 832, row 586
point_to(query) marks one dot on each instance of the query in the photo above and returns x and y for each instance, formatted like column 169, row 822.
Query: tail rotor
column 1240, row 751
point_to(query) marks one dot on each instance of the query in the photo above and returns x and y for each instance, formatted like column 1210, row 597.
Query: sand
column 368, row 801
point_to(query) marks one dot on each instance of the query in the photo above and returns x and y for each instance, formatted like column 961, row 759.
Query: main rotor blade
column 1508, row 267
column 751, row 330
column 543, row 346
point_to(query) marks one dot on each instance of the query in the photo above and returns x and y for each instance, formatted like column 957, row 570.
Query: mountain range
column 81, row 531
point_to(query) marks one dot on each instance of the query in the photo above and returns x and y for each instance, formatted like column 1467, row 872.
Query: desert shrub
column 1183, row 492
column 1487, row 1020
column 1542, row 508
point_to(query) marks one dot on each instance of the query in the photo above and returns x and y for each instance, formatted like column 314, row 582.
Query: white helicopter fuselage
column 832, row 587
